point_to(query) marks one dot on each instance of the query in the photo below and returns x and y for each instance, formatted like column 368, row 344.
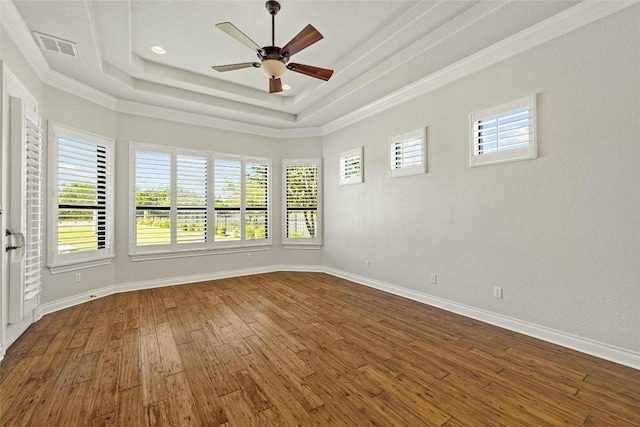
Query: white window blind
column 82, row 175
column 256, row 199
column 191, row 179
column 351, row 167
column 228, row 198
column 153, row 198
column 504, row 133
column 24, row 216
column 33, row 199
column 302, row 188
column 407, row 154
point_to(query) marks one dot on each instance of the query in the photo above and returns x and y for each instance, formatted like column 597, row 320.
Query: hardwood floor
column 288, row 349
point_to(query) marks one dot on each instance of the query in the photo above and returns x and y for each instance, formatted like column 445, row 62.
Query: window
column 256, row 173
column 407, row 154
column 504, row 133
column 194, row 200
column 228, row 203
column 81, row 231
column 351, row 166
column 302, row 201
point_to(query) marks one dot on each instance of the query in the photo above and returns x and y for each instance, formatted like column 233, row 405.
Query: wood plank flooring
column 297, row 349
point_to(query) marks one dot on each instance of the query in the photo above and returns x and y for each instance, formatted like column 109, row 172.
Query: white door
column 22, row 210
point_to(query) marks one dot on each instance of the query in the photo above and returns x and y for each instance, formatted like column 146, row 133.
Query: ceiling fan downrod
column 273, row 7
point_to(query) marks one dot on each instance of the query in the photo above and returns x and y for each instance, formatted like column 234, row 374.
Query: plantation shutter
column 228, row 197
column 153, row 198
column 504, row 133
column 256, row 199
column 301, row 199
column 407, row 154
column 191, row 195
column 25, row 219
column 34, row 215
column 83, row 195
column 351, row 167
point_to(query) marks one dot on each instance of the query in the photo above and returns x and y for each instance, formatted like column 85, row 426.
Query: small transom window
column 504, row 133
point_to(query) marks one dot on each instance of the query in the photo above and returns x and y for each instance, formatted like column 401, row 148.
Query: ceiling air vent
column 55, row 44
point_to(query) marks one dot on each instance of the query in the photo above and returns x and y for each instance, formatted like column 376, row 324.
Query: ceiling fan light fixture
column 273, row 68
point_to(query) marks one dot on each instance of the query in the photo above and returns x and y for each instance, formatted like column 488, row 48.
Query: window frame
column 396, row 171
column 211, row 245
column 346, row 177
column 503, row 155
column 57, row 262
column 302, row 242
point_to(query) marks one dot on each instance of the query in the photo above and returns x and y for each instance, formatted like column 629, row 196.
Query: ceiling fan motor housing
column 273, row 64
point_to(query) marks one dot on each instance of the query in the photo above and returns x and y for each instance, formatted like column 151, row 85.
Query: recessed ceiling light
column 158, row 49
column 286, row 87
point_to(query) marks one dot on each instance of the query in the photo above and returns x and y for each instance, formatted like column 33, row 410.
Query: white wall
column 560, row 234
column 75, row 112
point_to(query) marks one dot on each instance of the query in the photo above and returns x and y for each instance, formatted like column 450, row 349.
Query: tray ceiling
column 377, row 49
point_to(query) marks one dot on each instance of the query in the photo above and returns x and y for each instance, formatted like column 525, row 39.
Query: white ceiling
column 377, row 49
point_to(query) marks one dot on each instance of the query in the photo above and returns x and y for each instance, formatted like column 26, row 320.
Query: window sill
column 151, row 256
column 65, row 268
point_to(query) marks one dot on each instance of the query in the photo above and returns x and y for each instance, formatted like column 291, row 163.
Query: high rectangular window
column 82, row 231
column 351, row 167
column 408, row 154
column 504, row 133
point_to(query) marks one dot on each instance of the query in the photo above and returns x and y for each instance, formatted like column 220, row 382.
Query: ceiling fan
column 274, row 61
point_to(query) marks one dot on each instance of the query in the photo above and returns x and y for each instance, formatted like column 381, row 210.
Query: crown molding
column 569, row 20
column 155, row 112
column 81, row 90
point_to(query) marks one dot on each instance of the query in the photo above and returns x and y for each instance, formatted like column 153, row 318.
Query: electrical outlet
column 77, row 277
column 433, row 278
column 367, row 263
column 497, row 292
column 248, row 256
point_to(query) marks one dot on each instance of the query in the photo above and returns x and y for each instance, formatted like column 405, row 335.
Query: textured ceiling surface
column 375, row 48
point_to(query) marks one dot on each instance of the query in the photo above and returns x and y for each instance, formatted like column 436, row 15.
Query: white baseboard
column 63, row 303
column 584, row 345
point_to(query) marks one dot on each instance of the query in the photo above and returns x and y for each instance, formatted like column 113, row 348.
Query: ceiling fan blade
column 317, row 72
column 231, row 67
column 275, row 85
column 305, row 38
column 231, row 29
